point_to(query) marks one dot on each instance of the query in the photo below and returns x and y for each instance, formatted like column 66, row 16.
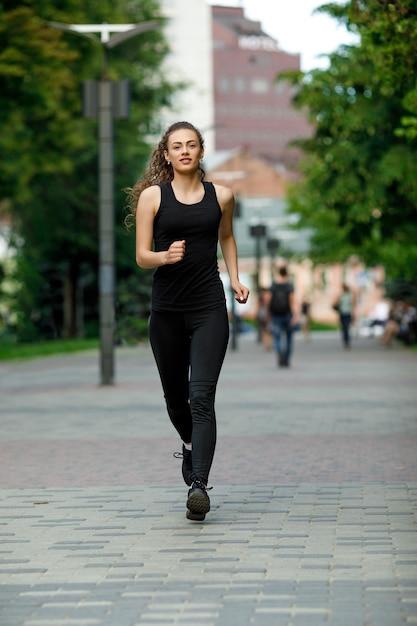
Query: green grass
column 11, row 351
column 314, row 325
column 320, row 326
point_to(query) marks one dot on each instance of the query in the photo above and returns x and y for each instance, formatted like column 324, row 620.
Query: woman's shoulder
column 150, row 198
column 224, row 195
column 222, row 192
column 152, row 189
column 151, row 192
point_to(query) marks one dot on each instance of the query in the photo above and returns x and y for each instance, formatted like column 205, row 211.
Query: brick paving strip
column 272, row 459
column 313, row 507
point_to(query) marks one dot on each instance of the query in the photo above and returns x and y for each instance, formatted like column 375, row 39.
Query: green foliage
column 359, row 186
column 401, row 289
column 48, row 179
column 133, row 307
column 37, row 93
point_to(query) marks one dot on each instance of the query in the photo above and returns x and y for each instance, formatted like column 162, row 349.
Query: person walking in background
column 345, row 307
column 264, row 319
column 305, row 317
column 283, row 317
column 180, row 219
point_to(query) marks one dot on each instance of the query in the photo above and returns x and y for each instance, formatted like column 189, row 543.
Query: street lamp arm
column 140, row 28
column 70, row 28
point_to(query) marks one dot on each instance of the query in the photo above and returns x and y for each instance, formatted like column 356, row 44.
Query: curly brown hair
column 158, row 170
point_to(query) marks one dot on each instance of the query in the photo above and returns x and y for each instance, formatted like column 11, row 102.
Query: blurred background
column 319, row 151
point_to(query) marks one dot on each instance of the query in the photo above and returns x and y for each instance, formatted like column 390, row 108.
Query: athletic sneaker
column 187, row 464
column 195, row 517
column 198, row 502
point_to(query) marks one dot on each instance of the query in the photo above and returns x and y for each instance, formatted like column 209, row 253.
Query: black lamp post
column 273, row 246
column 106, row 99
column 258, row 231
column 234, row 317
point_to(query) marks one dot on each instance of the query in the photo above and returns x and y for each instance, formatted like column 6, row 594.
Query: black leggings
column 189, row 350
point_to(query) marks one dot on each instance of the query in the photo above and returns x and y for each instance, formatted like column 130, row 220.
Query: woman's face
column 184, row 150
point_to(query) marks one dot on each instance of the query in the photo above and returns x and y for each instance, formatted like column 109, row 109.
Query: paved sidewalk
column 313, row 502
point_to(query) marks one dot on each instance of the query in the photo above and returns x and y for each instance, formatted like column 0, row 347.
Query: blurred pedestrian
column 401, row 324
column 408, row 324
column 392, row 326
column 345, row 305
column 305, row 317
column 378, row 317
column 283, row 316
column 264, row 319
column 180, row 219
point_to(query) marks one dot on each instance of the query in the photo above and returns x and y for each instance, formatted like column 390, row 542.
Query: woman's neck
column 186, row 182
column 187, row 189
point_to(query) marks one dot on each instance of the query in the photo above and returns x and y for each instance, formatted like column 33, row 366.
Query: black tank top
column 193, row 283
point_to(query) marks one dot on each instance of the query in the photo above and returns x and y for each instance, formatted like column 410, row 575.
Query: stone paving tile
column 132, row 461
column 284, row 566
column 313, row 507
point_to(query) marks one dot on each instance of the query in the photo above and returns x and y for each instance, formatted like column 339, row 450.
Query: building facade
column 252, row 109
column 230, row 67
column 260, row 189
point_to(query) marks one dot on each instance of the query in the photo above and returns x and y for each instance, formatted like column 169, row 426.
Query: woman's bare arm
column 147, row 208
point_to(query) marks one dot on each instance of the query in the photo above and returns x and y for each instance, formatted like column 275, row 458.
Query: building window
column 224, row 83
column 259, row 85
column 240, row 84
column 281, row 87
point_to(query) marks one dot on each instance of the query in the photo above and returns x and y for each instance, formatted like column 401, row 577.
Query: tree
column 49, row 184
column 37, row 99
column 358, row 190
